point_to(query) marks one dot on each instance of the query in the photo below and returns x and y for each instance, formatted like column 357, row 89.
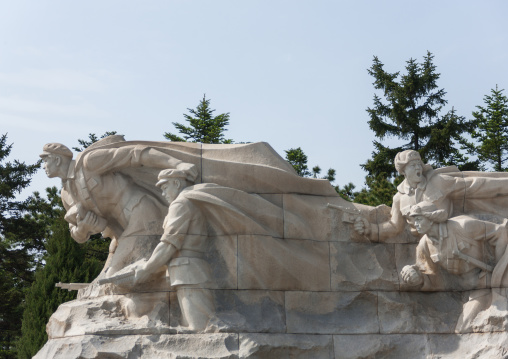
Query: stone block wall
column 317, row 291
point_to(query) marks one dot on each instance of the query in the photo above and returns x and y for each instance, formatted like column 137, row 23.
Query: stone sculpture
column 473, row 251
column 182, row 250
column 245, row 259
column 446, row 188
column 98, row 197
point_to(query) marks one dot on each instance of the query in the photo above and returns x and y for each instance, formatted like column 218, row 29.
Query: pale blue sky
column 291, row 73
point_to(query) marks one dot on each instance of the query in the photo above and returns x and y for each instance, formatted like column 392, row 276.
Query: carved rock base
column 277, row 346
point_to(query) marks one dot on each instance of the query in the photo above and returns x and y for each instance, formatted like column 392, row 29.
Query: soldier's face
column 422, row 224
column 414, row 171
column 51, row 164
column 171, row 189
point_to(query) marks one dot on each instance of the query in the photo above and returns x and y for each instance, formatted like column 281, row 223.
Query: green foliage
column 20, row 239
column 203, row 126
column 491, row 131
column 411, row 112
column 92, row 138
column 67, row 262
column 298, row 159
column 347, row 192
column 379, row 191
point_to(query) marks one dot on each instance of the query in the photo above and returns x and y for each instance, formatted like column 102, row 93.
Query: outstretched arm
column 154, row 158
column 380, row 232
column 108, row 160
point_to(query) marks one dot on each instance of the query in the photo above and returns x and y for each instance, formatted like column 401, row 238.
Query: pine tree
column 491, row 131
column 20, row 242
column 412, row 113
column 92, row 138
column 66, row 261
column 203, row 126
column 298, row 159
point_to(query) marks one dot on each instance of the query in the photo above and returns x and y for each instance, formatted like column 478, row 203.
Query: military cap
column 404, row 157
column 55, row 148
column 429, row 210
column 165, row 175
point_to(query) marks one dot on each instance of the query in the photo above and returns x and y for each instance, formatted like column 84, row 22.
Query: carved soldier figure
column 99, row 197
column 459, row 245
column 459, row 253
column 422, row 183
column 181, row 249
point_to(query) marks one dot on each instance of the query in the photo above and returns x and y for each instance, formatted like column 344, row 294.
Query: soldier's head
column 425, row 214
column 409, row 163
column 57, row 158
column 172, row 182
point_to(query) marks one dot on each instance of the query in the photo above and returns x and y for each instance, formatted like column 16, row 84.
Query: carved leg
column 479, row 300
column 197, row 306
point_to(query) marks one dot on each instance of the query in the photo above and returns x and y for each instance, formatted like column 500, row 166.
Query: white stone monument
column 222, row 251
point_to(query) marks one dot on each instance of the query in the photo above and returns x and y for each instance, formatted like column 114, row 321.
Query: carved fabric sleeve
column 380, row 232
column 483, row 187
column 178, row 222
column 108, row 160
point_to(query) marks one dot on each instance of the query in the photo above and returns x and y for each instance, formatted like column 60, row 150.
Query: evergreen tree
column 203, row 126
column 92, row 138
column 66, row 261
column 298, row 159
column 412, row 113
column 491, row 131
column 347, row 192
column 19, row 243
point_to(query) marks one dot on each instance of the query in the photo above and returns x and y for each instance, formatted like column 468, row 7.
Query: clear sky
column 291, row 73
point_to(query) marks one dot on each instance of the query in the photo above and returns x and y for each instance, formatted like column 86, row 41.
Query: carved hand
column 362, row 225
column 141, row 275
column 412, row 275
column 90, row 224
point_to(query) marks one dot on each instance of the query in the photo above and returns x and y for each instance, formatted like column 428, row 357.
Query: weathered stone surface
column 469, row 346
column 256, row 311
column 181, row 346
column 492, row 319
column 134, row 313
column 212, row 345
column 283, row 264
column 222, row 256
column 309, row 217
column 282, row 346
column 379, row 346
column 417, row 312
column 248, row 311
column 331, row 312
column 362, row 266
column 405, row 255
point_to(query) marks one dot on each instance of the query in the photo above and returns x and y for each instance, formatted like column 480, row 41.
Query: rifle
column 72, row 286
column 120, row 279
column 349, row 215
